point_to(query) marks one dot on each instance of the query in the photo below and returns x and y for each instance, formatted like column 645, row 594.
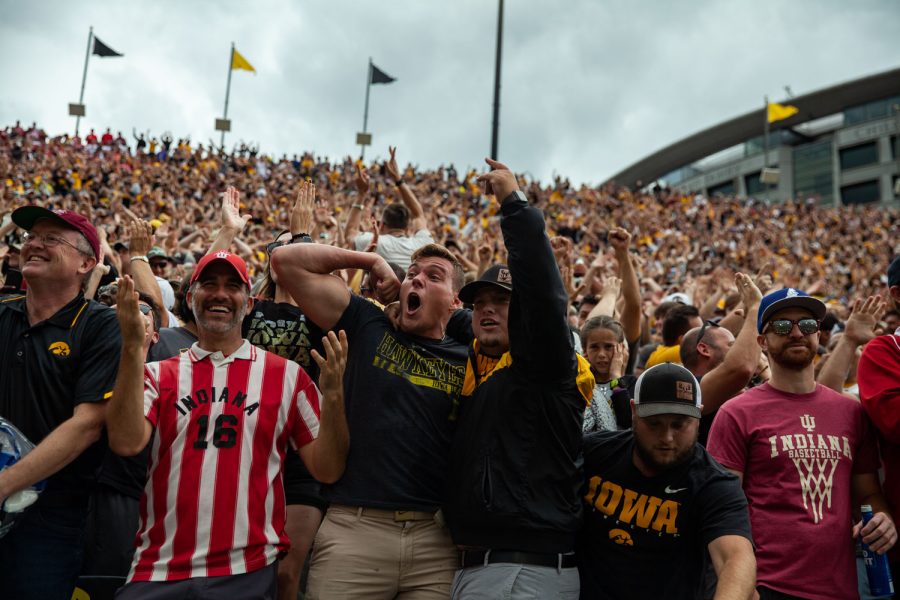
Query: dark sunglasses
column 145, row 309
column 785, row 326
column 706, row 324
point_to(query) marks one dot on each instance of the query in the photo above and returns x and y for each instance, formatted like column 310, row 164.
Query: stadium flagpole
column 227, row 92
column 766, row 142
column 87, row 56
column 495, row 125
column 362, row 147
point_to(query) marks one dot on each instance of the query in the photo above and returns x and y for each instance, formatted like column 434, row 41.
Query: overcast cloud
column 588, row 86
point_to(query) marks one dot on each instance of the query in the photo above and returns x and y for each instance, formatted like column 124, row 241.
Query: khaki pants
column 364, row 553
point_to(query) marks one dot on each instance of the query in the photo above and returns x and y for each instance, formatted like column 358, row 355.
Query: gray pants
column 509, row 581
column 256, row 585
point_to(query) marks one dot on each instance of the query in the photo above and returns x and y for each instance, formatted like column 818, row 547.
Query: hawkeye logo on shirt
column 621, row 537
column 60, row 349
column 402, row 361
column 631, row 508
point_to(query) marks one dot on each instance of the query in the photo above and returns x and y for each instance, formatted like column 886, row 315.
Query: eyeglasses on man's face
column 48, row 240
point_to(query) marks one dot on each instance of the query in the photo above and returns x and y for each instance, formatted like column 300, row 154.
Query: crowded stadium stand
column 682, row 240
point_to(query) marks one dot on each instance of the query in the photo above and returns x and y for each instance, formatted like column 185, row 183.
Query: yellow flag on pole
column 777, row 112
column 239, row 62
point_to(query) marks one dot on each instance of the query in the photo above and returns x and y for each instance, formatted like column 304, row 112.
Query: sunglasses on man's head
column 145, row 309
column 784, row 326
column 706, row 324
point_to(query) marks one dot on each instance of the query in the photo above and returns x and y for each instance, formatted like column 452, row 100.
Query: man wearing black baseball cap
column 512, row 496
column 59, row 357
column 879, row 391
column 807, row 458
column 658, row 506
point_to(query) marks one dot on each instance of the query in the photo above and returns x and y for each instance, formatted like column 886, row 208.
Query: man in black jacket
column 515, row 472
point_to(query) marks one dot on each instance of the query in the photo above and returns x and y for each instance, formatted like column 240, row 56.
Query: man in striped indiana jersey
column 220, row 418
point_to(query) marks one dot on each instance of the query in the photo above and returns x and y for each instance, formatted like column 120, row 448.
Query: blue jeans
column 41, row 556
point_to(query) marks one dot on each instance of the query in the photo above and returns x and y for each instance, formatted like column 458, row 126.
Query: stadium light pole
column 362, row 145
column 495, row 125
column 766, row 144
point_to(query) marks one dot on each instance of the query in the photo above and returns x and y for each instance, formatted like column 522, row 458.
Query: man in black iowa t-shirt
column 657, row 505
column 380, row 537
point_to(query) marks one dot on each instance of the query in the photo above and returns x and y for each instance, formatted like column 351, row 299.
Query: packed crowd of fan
column 682, row 243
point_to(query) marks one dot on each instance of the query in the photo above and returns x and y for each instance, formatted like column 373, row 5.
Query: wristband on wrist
column 516, row 195
column 301, row 238
column 142, row 258
column 359, row 206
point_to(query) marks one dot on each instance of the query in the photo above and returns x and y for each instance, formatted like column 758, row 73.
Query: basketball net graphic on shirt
column 815, row 483
column 816, row 458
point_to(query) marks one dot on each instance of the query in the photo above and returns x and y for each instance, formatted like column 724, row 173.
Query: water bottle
column 880, row 581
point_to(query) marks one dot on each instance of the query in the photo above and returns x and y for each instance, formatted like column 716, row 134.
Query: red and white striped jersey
column 214, row 500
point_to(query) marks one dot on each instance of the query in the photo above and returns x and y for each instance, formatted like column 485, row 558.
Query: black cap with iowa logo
column 667, row 389
column 496, row 275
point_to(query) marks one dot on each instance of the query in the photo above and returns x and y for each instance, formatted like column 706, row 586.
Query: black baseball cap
column 496, row 275
column 667, row 389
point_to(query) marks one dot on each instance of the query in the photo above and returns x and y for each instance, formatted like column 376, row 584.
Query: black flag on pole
column 379, row 76
column 101, row 49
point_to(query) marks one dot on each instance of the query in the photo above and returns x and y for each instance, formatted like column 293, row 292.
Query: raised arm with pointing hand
column 500, row 181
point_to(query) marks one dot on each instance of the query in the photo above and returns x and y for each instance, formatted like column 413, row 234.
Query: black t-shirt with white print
column 283, row 329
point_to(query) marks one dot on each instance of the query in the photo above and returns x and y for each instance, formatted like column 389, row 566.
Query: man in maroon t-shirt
column 807, row 459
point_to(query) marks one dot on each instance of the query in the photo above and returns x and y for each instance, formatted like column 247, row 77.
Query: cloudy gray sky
column 588, row 86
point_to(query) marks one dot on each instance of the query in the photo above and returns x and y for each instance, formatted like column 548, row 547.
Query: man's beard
column 680, row 457
column 792, row 362
column 218, row 326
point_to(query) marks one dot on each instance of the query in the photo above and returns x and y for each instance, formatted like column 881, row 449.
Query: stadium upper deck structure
column 843, row 146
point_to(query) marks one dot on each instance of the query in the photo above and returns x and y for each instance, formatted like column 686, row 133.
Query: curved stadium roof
column 812, row 106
